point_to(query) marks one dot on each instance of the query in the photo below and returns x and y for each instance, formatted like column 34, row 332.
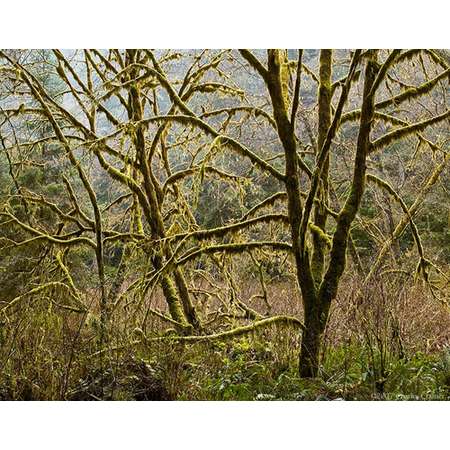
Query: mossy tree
column 319, row 284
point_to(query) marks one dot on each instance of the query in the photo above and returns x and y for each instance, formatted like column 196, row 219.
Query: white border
column 224, row 23
column 228, row 426
column 218, row 24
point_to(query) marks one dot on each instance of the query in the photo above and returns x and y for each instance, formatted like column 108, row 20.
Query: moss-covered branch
column 254, row 62
column 44, row 287
column 328, row 287
column 324, row 151
column 177, row 176
column 230, row 228
column 386, row 186
column 270, row 201
column 236, row 332
column 407, row 95
column 39, row 235
column 402, row 224
column 400, row 133
column 231, row 248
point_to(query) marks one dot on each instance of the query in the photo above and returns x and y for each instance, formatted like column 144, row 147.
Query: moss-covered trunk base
column 310, row 349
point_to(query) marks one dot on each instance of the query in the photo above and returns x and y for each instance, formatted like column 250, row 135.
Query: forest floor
column 392, row 343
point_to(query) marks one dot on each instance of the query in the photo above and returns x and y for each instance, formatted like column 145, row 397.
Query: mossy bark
column 311, row 344
column 310, row 338
column 316, row 315
column 316, row 319
column 324, row 121
column 173, row 302
column 180, row 306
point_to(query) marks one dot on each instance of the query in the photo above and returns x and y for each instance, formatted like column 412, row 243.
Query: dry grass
column 46, row 353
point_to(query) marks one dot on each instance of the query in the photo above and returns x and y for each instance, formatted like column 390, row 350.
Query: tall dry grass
column 49, row 353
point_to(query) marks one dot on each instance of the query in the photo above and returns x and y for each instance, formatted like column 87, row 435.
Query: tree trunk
column 180, row 305
column 173, row 302
column 310, row 347
column 188, row 308
column 324, row 122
